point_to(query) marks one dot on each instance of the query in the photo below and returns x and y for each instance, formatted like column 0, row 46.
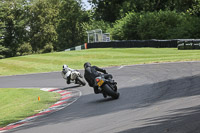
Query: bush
column 126, row 28
column 4, row 52
column 156, row 25
column 188, row 28
column 24, row 49
column 48, row 48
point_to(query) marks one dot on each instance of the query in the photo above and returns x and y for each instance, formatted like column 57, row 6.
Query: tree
column 43, row 23
column 107, row 10
column 195, row 9
column 156, row 25
column 70, row 29
column 13, row 22
column 2, row 28
column 112, row 10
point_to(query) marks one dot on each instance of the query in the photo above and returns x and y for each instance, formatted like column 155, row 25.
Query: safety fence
column 180, row 43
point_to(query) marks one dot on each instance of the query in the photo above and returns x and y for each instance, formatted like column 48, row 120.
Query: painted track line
column 67, row 97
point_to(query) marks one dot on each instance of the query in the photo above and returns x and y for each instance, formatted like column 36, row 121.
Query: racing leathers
column 66, row 73
column 91, row 72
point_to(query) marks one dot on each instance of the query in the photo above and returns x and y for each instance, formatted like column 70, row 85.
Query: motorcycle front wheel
column 81, row 81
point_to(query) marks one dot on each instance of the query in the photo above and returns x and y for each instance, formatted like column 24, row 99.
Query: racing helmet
column 65, row 67
column 87, row 64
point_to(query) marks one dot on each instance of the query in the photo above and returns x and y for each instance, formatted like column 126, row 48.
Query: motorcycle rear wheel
column 110, row 92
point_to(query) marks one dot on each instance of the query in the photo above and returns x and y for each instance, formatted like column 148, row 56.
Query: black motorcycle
column 107, row 86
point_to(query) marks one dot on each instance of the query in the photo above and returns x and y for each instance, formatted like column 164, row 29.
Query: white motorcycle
column 72, row 76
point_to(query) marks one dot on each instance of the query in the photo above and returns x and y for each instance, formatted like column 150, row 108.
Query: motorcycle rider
column 91, row 72
column 66, row 72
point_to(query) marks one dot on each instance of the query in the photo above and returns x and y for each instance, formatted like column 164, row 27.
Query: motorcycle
column 107, row 87
column 75, row 77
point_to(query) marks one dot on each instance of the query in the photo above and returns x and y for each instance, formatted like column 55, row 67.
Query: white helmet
column 65, row 67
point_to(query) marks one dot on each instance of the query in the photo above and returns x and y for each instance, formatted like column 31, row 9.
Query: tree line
column 41, row 26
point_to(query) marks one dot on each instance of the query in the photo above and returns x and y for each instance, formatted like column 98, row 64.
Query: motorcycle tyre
column 110, row 92
column 81, row 81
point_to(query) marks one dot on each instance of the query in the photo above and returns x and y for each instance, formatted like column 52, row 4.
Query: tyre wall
column 144, row 43
column 188, row 44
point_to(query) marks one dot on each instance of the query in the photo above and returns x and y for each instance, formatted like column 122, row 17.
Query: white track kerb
column 67, row 98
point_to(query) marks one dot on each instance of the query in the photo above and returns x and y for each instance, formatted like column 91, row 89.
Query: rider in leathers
column 66, row 73
column 91, row 72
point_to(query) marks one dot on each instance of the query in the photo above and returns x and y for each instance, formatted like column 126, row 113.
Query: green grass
column 17, row 104
column 100, row 57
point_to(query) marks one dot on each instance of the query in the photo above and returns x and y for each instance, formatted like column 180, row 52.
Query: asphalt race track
column 154, row 98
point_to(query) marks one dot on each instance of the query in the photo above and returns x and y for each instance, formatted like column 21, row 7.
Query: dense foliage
column 41, row 26
column 149, row 19
column 156, row 25
column 111, row 10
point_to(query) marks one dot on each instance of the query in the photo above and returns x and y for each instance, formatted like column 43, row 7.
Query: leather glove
column 64, row 72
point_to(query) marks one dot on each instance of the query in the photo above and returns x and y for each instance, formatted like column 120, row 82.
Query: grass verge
column 17, row 104
column 101, row 57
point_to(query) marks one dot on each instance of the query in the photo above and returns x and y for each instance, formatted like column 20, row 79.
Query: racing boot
column 96, row 90
column 115, row 88
column 104, row 95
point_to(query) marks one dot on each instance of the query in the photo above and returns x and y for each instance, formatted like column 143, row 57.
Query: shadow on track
column 102, row 100
column 183, row 121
